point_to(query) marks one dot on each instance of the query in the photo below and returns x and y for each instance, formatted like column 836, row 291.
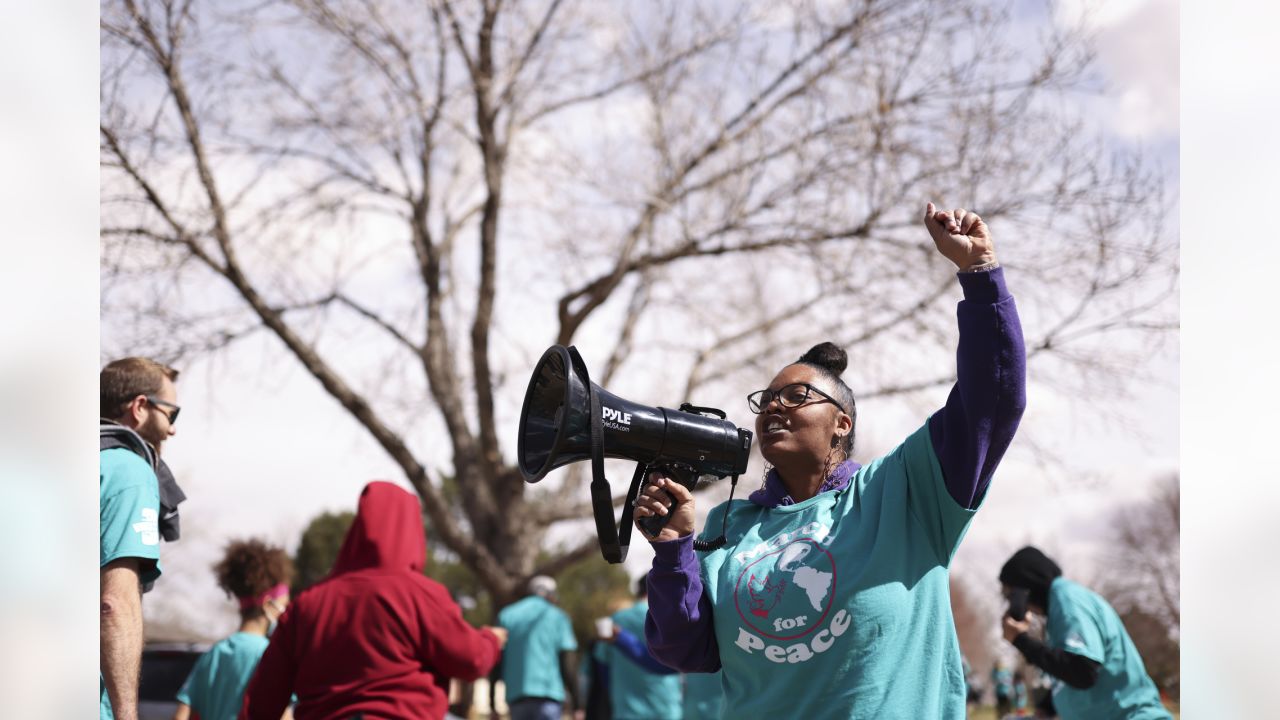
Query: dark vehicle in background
column 165, row 667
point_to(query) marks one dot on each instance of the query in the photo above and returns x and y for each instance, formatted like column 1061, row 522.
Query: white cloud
column 1137, row 44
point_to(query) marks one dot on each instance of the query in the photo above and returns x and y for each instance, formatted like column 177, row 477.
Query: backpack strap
column 114, row 435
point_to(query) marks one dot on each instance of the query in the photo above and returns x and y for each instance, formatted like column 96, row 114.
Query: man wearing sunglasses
column 137, row 504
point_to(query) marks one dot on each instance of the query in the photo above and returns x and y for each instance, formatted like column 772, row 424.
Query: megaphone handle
column 653, row 524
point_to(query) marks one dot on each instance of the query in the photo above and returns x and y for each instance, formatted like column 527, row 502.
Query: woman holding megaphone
column 830, row 598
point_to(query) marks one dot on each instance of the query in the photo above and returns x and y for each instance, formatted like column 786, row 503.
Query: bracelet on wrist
column 982, row 267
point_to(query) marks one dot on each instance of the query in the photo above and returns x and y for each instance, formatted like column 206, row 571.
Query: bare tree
column 1143, row 583
column 435, row 190
column 1145, row 558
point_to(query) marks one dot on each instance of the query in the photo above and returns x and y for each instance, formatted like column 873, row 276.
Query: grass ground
column 988, row 712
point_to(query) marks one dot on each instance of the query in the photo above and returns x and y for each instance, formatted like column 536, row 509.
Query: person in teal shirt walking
column 1002, row 683
column 138, row 399
column 537, row 666
column 1099, row 673
column 636, row 693
column 257, row 576
column 702, row 692
column 1021, row 699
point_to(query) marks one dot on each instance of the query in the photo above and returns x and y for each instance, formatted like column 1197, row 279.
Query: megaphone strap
column 614, row 541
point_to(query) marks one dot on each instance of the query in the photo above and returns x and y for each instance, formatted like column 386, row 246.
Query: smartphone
column 1018, row 604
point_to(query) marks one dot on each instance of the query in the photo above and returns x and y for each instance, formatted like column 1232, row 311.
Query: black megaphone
column 567, row 418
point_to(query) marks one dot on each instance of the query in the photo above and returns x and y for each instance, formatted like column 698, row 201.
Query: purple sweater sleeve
column 972, row 432
column 679, row 627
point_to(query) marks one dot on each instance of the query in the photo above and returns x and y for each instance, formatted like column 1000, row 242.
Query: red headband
column 254, row 601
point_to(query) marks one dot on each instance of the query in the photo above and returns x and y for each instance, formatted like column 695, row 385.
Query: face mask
column 272, row 622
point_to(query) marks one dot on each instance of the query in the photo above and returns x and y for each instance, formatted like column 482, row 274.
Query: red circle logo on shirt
column 786, row 594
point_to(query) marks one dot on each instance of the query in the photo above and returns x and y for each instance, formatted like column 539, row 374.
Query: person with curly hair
column 257, row 576
column 829, row 597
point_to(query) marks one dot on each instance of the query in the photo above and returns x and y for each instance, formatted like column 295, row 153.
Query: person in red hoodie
column 376, row 639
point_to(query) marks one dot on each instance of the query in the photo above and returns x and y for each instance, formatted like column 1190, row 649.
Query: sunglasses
column 789, row 396
column 169, row 409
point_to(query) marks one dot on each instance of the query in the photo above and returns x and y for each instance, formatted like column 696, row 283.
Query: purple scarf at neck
column 774, row 492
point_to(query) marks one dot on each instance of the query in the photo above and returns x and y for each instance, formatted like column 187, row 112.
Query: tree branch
column 381, row 322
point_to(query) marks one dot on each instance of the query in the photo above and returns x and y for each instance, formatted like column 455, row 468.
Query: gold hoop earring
column 764, row 477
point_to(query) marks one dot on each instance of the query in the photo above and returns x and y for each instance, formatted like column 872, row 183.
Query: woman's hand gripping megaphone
column 662, row 496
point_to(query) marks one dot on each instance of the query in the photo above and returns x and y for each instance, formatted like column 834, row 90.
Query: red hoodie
column 374, row 637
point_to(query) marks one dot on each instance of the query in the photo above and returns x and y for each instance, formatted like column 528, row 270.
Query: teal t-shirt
column 129, row 511
column 1002, row 679
column 839, row 606
column 538, row 632
column 1081, row 622
column 703, row 696
column 215, row 688
column 636, row 693
column 128, row 522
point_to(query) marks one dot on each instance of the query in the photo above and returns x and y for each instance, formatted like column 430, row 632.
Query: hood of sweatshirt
column 387, row 533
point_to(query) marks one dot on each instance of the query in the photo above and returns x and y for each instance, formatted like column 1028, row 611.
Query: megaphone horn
column 566, row 418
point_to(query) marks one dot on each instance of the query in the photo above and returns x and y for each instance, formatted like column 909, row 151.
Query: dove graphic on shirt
column 768, row 595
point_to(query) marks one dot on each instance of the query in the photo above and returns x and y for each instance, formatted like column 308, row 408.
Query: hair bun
column 827, row 355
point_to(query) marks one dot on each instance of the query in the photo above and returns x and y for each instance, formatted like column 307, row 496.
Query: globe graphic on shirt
column 786, row 594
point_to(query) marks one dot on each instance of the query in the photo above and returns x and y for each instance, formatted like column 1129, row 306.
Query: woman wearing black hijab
column 1086, row 648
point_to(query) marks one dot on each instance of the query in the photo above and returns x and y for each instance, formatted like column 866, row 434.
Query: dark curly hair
column 251, row 567
column 830, row 360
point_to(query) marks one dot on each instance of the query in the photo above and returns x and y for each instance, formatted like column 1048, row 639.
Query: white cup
column 604, row 627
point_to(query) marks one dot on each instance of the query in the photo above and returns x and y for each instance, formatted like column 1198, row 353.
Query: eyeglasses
column 789, row 396
column 172, row 409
